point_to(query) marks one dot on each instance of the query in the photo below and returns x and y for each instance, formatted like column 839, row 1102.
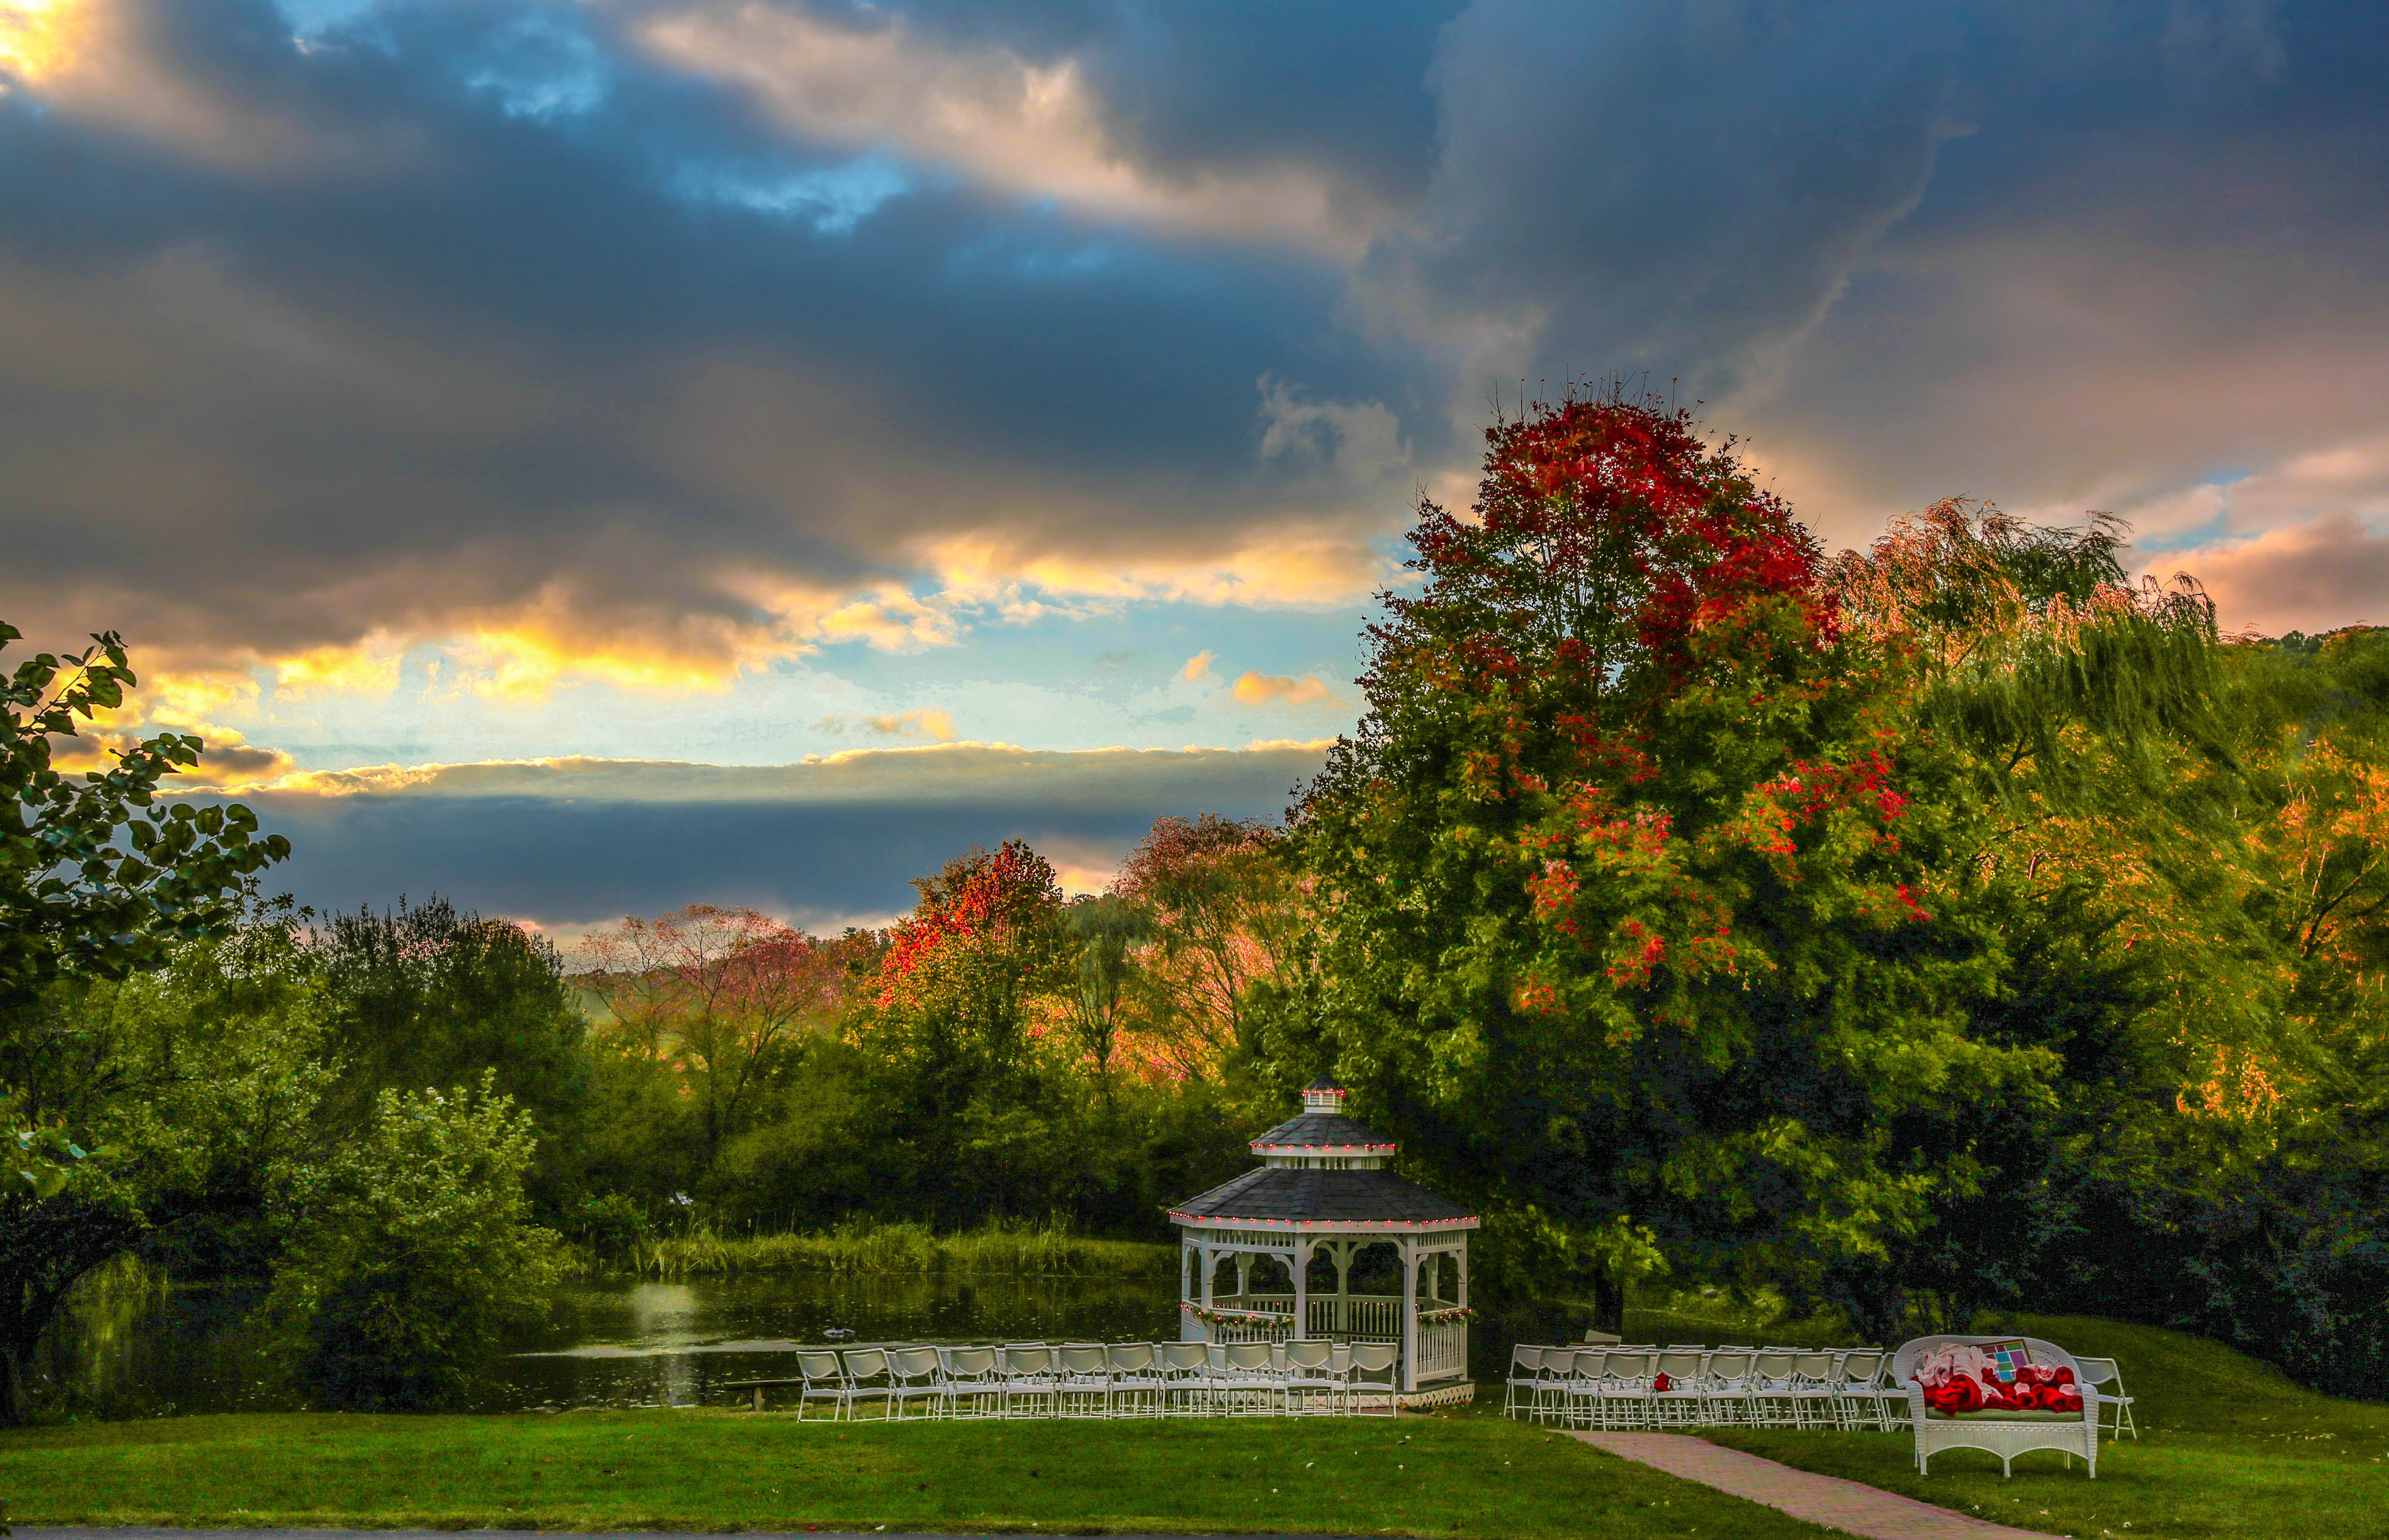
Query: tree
column 1106, row 930
column 722, row 996
column 99, row 880
column 1626, row 885
column 95, row 875
column 429, row 998
column 1225, row 915
column 411, row 1252
column 956, row 1028
column 184, row 1089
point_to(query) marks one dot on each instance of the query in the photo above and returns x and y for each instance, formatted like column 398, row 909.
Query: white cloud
column 1259, row 689
column 1035, row 130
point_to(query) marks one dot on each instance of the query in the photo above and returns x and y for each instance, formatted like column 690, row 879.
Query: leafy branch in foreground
column 95, row 876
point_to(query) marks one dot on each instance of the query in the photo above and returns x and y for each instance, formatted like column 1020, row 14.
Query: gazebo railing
column 1377, row 1317
column 1442, row 1349
column 1372, row 1317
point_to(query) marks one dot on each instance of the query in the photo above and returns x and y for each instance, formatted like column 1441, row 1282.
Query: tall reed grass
column 1000, row 1247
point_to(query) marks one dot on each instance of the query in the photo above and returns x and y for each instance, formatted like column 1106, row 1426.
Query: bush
column 408, row 1252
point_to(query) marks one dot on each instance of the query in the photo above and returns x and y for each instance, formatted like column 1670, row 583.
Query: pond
column 612, row 1342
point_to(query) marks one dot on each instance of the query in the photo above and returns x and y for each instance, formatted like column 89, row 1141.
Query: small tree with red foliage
column 719, row 995
column 1626, row 903
column 958, row 1024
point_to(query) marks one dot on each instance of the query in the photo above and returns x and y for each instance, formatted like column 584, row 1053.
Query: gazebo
column 1273, row 1254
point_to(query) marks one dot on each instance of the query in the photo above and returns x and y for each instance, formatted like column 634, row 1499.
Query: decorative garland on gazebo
column 1445, row 1317
column 1232, row 1318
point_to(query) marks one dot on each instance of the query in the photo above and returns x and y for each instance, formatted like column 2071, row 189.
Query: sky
column 588, row 456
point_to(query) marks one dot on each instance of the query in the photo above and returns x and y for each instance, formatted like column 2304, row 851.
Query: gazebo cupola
column 1274, row 1253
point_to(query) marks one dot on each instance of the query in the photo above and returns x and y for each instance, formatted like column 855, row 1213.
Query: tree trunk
column 13, row 1407
column 1609, row 1304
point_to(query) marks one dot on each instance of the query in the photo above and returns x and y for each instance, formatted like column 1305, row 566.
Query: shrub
column 409, row 1254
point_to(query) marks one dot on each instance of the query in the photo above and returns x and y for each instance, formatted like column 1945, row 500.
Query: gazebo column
column 1410, row 1313
column 1243, row 1278
column 1301, row 1286
column 1211, row 1270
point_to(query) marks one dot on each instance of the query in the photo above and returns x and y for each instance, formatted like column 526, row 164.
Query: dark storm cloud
column 1670, row 187
column 569, row 843
column 635, row 329
column 486, row 313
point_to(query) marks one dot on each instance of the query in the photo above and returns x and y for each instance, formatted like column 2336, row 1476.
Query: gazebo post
column 1410, row 1315
column 1301, row 1286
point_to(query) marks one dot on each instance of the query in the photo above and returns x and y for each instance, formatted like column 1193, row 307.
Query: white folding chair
column 1624, row 1387
column 1680, row 1404
column 1026, row 1372
column 1374, row 1375
column 1186, row 1379
column 869, row 1378
column 1863, row 1400
column 2098, row 1373
column 1134, row 1369
column 1814, row 1391
column 1725, row 1389
column 972, row 1387
column 1312, row 1382
column 1082, row 1381
column 1526, row 1375
column 1572, row 1385
column 914, row 1376
column 1252, row 1382
column 1770, row 1388
column 824, row 1380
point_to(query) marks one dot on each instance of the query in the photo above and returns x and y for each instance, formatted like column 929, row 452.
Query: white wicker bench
column 2005, row 1434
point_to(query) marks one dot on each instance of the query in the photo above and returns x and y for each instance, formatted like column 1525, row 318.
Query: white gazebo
column 1256, row 1251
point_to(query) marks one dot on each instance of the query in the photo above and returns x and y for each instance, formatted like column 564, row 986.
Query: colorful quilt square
column 2006, row 1357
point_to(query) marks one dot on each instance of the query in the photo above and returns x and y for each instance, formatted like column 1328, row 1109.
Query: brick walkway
column 1828, row 1500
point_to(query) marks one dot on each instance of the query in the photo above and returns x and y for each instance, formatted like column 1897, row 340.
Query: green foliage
column 425, row 997
column 1623, row 885
column 180, row 1117
column 1000, row 1248
column 410, row 1250
column 95, row 875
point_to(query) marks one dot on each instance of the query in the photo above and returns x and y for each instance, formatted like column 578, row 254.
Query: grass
column 1460, row 1477
column 997, row 1248
column 2228, row 1447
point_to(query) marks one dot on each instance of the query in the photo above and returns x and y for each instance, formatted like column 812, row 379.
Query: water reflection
column 615, row 1342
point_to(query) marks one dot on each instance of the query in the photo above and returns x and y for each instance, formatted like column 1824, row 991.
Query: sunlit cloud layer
column 444, row 381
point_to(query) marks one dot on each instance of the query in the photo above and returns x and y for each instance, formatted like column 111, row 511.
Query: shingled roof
column 1323, row 1131
column 1300, row 1195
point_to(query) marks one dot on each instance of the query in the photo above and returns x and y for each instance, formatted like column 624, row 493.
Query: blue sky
column 928, row 389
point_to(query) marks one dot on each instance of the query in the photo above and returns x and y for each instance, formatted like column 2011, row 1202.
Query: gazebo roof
column 1301, row 1195
column 1321, row 1131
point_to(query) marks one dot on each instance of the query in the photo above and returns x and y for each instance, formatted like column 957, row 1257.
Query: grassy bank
column 1015, row 1249
column 714, row 1470
column 2228, row 1447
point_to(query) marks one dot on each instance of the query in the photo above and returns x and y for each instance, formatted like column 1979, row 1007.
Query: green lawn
column 2231, row 1449
column 1467, row 1476
column 2228, row 1447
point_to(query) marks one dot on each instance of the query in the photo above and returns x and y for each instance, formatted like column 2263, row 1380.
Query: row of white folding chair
column 1703, row 1386
column 1037, row 1380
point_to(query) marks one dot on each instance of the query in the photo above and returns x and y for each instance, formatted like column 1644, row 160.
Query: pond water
column 610, row 1344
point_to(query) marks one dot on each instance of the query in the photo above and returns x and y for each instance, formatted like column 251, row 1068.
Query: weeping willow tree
column 2189, row 834
column 2036, row 653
